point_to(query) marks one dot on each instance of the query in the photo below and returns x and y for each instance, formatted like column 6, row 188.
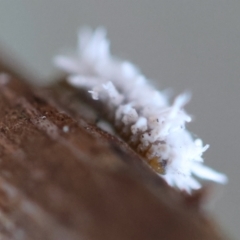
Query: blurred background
column 180, row 44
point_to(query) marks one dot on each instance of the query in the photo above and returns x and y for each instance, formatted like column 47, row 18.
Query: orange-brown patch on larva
column 153, row 162
column 156, row 165
column 143, row 152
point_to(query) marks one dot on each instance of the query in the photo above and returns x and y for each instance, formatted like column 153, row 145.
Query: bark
column 61, row 177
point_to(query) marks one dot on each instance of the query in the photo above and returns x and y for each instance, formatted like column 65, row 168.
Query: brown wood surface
column 83, row 183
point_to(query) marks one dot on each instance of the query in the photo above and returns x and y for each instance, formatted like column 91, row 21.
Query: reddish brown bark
column 80, row 182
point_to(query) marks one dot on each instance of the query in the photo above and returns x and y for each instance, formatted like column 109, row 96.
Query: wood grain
column 81, row 183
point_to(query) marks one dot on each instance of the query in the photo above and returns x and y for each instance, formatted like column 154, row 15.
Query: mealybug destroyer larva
column 140, row 113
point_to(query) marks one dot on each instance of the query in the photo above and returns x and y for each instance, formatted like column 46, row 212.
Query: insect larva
column 139, row 113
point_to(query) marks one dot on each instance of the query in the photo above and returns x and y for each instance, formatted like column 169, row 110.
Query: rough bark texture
column 63, row 178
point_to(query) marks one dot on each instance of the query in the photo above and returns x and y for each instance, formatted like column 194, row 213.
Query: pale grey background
column 182, row 44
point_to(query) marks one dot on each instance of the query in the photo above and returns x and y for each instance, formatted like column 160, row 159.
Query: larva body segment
column 139, row 113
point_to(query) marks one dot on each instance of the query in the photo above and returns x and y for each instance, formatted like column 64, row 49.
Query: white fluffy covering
column 141, row 112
